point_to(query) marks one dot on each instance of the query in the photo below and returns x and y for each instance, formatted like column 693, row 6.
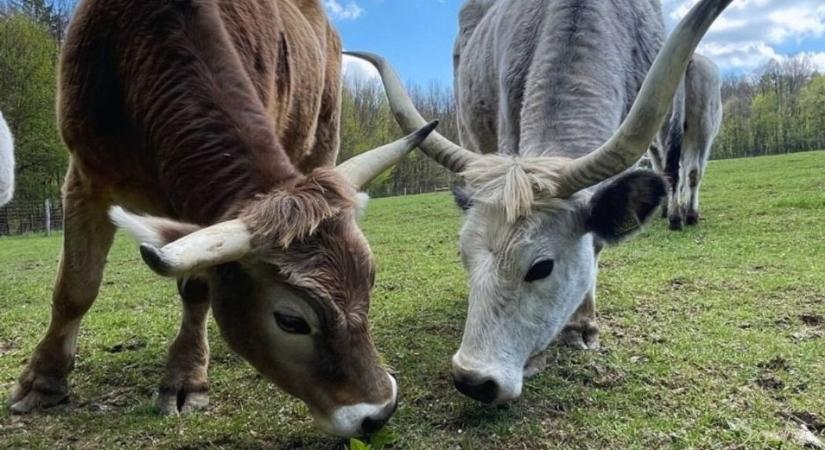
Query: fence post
column 48, row 217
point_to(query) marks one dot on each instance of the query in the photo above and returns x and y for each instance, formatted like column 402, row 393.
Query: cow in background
column 682, row 148
column 6, row 162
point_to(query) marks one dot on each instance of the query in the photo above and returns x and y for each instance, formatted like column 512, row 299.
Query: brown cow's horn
column 363, row 168
column 436, row 146
column 218, row 244
column 652, row 104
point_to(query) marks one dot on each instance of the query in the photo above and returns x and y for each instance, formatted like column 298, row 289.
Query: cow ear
column 462, row 197
column 620, row 209
column 155, row 231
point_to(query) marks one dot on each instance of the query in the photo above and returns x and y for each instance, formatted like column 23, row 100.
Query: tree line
column 779, row 108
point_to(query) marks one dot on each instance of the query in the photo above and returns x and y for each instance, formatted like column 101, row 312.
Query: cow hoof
column 692, row 219
column 675, row 223
column 535, row 365
column 582, row 337
column 26, row 399
column 181, row 403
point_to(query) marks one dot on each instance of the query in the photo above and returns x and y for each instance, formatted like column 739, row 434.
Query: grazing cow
column 6, row 162
column 221, row 118
column 681, row 149
column 546, row 92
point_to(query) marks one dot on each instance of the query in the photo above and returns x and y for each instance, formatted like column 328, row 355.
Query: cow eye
column 292, row 324
column 539, row 271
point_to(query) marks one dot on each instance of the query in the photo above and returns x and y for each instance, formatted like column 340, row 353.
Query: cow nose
column 374, row 423
column 484, row 390
column 371, row 425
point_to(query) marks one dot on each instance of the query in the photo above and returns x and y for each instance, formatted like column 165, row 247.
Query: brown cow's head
column 289, row 283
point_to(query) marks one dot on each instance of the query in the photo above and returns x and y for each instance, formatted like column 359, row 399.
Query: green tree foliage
column 780, row 109
column 28, row 55
column 812, row 108
column 367, row 122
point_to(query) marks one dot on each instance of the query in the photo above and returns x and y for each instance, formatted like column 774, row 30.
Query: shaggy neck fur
column 517, row 184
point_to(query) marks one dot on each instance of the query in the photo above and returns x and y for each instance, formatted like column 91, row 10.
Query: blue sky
column 417, row 35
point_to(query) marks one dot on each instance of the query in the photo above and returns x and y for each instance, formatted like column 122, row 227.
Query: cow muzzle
column 485, row 383
column 362, row 418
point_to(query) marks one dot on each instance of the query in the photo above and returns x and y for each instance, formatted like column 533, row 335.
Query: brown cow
column 223, row 117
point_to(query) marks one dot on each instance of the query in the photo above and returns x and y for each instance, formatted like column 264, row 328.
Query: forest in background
column 777, row 109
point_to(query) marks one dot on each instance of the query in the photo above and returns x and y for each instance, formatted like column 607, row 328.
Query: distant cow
column 221, row 117
column 6, row 162
column 681, row 149
column 545, row 91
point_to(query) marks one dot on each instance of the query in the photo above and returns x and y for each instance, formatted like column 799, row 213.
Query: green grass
column 689, row 321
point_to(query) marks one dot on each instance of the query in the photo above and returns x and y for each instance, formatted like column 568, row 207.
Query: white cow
column 682, row 148
column 546, row 92
column 6, row 162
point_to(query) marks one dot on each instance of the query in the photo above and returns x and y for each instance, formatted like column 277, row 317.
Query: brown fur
column 175, row 101
column 202, row 111
column 295, row 213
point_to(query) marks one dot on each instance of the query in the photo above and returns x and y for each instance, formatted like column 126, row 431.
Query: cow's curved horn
column 652, row 104
column 363, row 168
column 218, row 244
column 442, row 150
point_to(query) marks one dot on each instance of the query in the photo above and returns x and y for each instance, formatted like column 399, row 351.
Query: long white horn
column 221, row 243
column 652, row 104
column 363, row 168
column 442, row 150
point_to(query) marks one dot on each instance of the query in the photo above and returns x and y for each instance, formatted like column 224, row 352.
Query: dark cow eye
column 292, row 324
column 539, row 271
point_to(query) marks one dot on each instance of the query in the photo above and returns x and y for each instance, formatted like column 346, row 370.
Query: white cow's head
column 533, row 225
column 531, row 259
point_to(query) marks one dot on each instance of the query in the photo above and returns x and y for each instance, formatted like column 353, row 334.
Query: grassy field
column 713, row 337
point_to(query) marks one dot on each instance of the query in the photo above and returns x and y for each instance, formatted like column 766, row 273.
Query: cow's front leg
column 185, row 386
column 582, row 331
column 87, row 237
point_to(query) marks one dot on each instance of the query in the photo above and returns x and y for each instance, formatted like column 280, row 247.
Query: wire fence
column 31, row 217
column 46, row 216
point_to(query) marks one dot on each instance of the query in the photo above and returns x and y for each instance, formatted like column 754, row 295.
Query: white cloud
column 340, row 11
column 818, row 59
column 749, row 32
column 358, row 69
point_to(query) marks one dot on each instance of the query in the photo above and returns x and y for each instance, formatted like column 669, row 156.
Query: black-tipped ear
column 462, row 197
column 619, row 210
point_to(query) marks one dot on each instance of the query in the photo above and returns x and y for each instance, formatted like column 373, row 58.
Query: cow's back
column 553, row 77
column 159, row 98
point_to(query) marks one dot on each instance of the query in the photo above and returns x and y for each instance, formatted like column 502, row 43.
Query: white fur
column 510, row 320
column 142, row 228
column 6, row 163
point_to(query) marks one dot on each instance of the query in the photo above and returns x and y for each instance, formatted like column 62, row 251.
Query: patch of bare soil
column 813, row 421
column 812, row 320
